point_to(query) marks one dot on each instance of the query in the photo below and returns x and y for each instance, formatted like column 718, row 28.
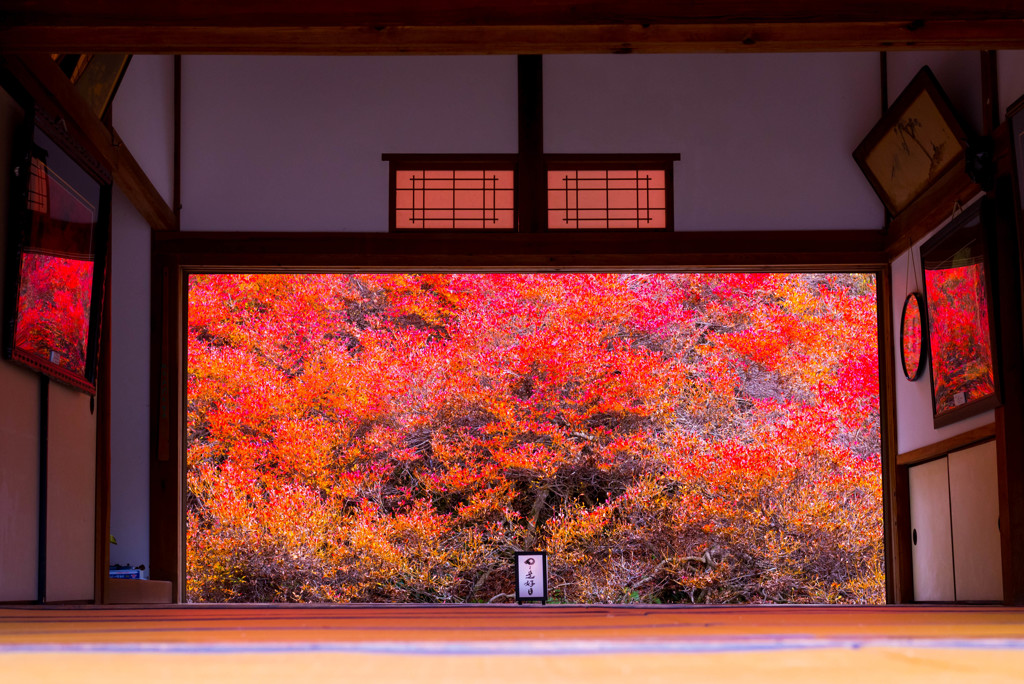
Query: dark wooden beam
column 990, row 114
column 495, row 40
column 167, row 518
column 43, row 80
column 383, row 13
column 102, row 557
column 575, row 250
column 895, row 577
column 176, row 200
column 1010, row 414
column 531, row 180
column 507, row 27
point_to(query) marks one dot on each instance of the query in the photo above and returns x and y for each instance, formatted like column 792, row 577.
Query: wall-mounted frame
column 961, row 325
column 913, row 336
column 59, row 221
column 531, row 576
column 1015, row 117
column 913, row 145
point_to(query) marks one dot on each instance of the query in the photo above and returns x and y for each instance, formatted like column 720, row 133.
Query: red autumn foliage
column 664, row 437
column 959, row 335
column 53, row 309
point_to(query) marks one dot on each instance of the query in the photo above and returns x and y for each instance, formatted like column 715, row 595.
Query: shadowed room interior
column 878, row 138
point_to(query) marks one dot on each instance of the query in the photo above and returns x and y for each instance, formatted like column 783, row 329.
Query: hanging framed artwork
column 59, row 221
column 1015, row 118
column 913, row 336
column 961, row 325
column 917, row 141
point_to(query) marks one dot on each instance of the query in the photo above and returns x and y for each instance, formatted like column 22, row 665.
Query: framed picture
column 531, row 576
column 913, row 145
column 961, row 326
column 913, row 336
column 59, row 223
column 1015, row 117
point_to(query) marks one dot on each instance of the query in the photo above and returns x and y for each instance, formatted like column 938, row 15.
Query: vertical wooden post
column 531, row 179
column 176, row 200
column 1010, row 415
column 895, row 578
column 166, row 523
column 103, row 443
column 990, row 116
column 44, row 483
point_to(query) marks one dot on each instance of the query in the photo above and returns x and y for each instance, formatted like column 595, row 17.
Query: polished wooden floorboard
column 476, row 643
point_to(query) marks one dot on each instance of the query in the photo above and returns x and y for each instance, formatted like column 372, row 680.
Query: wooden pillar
column 531, row 181
column 1010, row 415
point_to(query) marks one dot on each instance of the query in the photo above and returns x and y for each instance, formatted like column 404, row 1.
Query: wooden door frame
column 176, row 255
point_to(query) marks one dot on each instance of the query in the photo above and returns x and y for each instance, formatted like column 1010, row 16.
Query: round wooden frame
column 922, row 332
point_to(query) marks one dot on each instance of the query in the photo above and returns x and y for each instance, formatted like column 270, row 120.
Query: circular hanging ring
column 913, row 336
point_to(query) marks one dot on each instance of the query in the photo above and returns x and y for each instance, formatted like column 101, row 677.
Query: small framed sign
column 532, row 576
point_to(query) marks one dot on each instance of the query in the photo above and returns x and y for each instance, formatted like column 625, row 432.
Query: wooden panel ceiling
column 506, row 26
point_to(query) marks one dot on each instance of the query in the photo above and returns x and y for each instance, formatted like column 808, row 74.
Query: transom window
column 601, row 193
column 452, row 193
column 582, row 192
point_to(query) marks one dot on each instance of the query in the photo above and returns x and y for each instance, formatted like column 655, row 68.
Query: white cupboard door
column 974, row 503
column 931, row 536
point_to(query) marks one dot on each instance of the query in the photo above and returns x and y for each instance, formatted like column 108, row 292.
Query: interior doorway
column 664, row 437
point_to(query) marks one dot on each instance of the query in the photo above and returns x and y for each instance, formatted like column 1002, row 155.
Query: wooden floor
column 592, row 644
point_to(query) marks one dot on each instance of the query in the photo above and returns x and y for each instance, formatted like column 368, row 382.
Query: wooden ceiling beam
column 812, row 250
column 50, row 88
column 382, row 13
column 547, row 39
column 507, row 26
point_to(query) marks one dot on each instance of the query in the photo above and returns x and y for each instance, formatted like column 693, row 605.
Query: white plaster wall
column 1010, row 67
column 295, row 143
column 914, row 427
column 766, row 140
column 958, row 72
column 71, row 496
column 142, row 112
column 143, row 115
column 19, row 428
column 129, row 380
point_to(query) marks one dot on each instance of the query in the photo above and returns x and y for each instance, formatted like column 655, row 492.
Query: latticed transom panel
column 607, row 199
column 454, row 199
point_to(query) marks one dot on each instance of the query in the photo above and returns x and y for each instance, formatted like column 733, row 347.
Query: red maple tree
column 664, row 437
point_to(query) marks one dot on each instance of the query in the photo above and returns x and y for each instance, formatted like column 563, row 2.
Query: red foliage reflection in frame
column 962, row 368
column 54, row 309
column 912, row 331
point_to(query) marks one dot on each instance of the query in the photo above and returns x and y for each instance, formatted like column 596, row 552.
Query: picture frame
column 914, row 144
column 961, row 318
column 1015, row 121
column 59, row 225
column 913, row 336
column 531, row 569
